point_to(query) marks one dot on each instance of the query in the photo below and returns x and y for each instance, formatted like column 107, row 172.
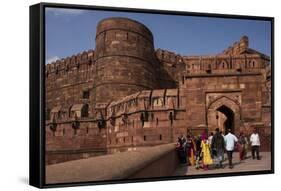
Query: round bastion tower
column 124, row 59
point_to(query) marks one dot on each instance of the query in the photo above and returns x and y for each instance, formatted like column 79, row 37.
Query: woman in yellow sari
column 205, row 153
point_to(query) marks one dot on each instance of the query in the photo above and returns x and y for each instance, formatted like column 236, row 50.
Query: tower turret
column 123, row 58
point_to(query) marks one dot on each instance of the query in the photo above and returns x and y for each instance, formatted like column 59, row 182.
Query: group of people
column 203, row 151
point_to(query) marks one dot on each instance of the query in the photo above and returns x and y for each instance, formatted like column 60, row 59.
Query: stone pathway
column 246, row 165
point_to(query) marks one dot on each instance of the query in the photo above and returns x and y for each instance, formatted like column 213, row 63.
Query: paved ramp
column 246, row 165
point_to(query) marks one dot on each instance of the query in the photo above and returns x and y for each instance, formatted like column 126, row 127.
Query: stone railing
column 157, row 161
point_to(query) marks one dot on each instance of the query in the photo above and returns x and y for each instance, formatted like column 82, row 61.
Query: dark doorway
column 229, row 122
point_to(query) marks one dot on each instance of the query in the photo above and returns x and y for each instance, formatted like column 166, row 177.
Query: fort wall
column 67, row 79
column 124, row 94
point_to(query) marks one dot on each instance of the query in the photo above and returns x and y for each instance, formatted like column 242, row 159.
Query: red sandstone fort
column 125, row 94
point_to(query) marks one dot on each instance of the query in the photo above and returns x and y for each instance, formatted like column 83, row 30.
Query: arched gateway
column 224, row 113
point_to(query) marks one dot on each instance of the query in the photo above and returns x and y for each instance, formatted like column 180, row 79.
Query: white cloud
column 52, row 59
column 64, row 11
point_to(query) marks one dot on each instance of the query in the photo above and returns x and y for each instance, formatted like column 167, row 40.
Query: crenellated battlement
column 161, row 99
column 169, row 57
column 146, row 100
column 69, row 63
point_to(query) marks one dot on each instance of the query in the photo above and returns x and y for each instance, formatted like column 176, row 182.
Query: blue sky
column 70, row 31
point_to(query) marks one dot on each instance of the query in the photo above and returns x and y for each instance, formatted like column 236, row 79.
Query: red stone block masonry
column 125, row 94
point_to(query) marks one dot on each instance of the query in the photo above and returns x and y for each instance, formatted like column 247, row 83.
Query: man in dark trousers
column 255, row 143
column 218, row 146
column 230, row 141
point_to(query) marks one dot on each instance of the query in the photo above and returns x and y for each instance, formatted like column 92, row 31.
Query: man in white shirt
column 230, row 141
column 210, row 138
column 255, row 143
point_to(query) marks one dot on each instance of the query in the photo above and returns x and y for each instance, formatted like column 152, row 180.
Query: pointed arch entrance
column 224, row 113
